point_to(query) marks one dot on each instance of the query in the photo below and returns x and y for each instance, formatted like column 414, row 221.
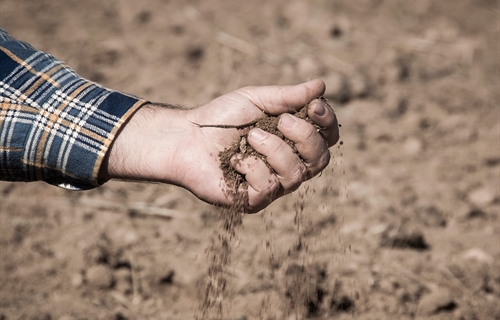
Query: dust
column 219, row 258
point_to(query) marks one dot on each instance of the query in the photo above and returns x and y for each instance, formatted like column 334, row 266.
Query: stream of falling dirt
column 219, row 257
column 300, row 278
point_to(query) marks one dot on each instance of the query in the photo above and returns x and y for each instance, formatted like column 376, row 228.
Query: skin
column 174, row 150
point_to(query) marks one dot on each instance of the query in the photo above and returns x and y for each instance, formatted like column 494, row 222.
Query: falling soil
column 231, row 217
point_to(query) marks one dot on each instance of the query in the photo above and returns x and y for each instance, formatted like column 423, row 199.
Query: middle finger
column 289, row 168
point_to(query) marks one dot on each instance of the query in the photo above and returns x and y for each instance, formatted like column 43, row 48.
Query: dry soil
column 404, row 223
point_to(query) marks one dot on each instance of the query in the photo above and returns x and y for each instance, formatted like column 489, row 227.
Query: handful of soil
column 267, row 123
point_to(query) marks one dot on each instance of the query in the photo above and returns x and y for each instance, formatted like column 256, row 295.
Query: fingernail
column 320, row 109
column 258, row 134
column 288, row 121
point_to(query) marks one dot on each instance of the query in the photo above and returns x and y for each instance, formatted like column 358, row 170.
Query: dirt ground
column 403, row 224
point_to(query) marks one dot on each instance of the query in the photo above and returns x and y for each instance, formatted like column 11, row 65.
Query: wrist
column 146, row 147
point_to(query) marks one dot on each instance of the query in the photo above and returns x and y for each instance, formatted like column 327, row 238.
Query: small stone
column 40, row 316
column 468, row 213
column 431, row 216
column 340, row 28
column 436, row 302
column 412, row 146
column 482, row 197
column 477, row 270
column 76, row 279
column 342, row 303
column 99, row 276
column 66, row 317
column 123, row 280
column 123, row 237
column 121, row 315
column 243, row 145
column 466, row 314
column 387, row 285
column 167, row 277
column 400, row 237
column 342, row 298
column 478, row 255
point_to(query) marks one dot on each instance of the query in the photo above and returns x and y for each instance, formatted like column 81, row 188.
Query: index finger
column 275, row 100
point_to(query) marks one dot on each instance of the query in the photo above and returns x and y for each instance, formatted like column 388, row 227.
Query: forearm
column 147, row 146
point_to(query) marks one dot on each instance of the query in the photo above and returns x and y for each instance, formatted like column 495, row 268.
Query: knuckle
column 310, row 134
column 297, row 176
column 277, row 146
column 324, row 160
column 319, row 164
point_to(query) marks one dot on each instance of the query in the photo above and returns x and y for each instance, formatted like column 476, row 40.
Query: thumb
column 275, row 100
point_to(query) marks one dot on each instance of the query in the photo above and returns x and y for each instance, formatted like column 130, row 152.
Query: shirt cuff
column 83, row 167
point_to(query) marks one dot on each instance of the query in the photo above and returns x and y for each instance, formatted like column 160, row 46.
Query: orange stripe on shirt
column 53, row 118
column 30, row 68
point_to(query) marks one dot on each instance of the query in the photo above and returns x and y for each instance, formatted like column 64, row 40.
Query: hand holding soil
column 182, row 147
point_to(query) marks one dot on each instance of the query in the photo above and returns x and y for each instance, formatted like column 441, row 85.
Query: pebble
column 413, row 146
column 123, row 280
column 387, row 285
column 99, row 276
column 400, row 237
column 341, row 27
column 431, row 216
column 122, row 237
column 76, row 279
column 437, row 301
column 470, row 212
column 40, row 316
column 477, row 270
column 481, row 197
column 342, row 303
column 478, row 255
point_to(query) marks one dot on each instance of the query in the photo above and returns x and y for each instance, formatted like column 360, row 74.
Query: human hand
column 164, row 145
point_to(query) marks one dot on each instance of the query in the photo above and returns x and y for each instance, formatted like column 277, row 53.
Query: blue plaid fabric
column 54, row 125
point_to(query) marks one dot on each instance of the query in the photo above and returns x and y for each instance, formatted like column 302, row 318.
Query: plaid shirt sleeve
column 54, row 125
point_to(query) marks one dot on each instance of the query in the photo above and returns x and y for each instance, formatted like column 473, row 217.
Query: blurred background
column 403, row 224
